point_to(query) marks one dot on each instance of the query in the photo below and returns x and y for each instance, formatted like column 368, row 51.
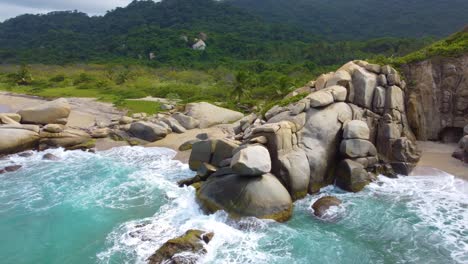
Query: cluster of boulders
column 462, row 152
column 40, row 127
column 142, row 127
column 349, row 127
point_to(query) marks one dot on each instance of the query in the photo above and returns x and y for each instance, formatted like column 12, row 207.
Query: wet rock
column 50, row 156
column 262, row 196
column 323, row 204
column 351, row 176
column 192, row 244
column 12, row 168
column 26, row 154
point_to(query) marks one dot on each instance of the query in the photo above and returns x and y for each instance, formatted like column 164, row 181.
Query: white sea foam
column 401, row 214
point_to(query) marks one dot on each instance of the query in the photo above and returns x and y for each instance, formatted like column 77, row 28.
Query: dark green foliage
column 22, row 77
column 128, row 35
column 364, row 19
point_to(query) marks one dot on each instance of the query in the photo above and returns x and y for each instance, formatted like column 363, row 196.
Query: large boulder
column 210, row 115
column 357, row 148
column 54, row 112
column 262, row 196
column 356, row 129
column 147, row 131
column 320, row 138
column 9, row 119
column 15, row 139
column 251, row 161
column 187, row 248
column 364, row 84
column 351, row 176
column 174, row 124
column 320, row 98
column 68, row 138
column 210, row 151
column 322, row 205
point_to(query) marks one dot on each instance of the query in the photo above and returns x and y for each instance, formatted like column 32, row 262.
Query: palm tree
column 241, row 85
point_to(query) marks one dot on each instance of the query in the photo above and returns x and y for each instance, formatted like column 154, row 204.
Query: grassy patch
column 140, row 107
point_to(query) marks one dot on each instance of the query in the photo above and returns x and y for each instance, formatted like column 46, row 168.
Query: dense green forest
column 249, row 62
column 168, row 28
column 364, row 19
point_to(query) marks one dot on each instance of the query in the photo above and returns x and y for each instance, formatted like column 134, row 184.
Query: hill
column 363, row 19
column 168, row 28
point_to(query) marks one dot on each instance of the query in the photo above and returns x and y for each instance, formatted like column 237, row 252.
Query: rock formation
column 41, row 127
column 437, row 98
column 352, row 126
column 187, row 248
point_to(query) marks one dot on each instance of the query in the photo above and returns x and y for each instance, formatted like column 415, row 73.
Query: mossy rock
column 193, row 241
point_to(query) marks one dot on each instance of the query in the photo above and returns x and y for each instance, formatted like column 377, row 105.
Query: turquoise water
column 119, row 206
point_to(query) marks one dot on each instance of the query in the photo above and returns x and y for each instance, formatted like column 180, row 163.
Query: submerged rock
column 351, row 176
column 187, row 248
column 50, row 156
column 263, row 196
column 12, row 168
column 323, row 204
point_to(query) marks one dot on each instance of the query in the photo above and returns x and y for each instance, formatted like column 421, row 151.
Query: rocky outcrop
column 54, row 112
column 187, row 248
column 18, row 138
column 262, row 196
column 437, row 98
column 351, row 126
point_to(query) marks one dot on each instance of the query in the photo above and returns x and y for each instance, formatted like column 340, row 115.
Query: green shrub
column 57, row 78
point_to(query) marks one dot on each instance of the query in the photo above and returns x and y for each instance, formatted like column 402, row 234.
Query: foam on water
column 120, row 205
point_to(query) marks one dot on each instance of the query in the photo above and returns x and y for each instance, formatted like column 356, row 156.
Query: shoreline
column 85, row 112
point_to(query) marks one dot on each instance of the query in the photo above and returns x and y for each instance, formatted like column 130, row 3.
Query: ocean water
column 120, row 205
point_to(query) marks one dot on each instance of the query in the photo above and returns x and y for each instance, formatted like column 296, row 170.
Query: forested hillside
column 168, row 28
column 363, row 19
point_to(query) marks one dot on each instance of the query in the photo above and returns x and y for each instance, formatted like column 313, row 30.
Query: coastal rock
column 188, row 144
column 210, row 151
column 356, row 129
column 357, row 148
column 320, row 98
column 437, row 97
column 262, row 196
column 147, row 131
column 54, row 128
column 322, row 205
column 174, row 124
column 69, row 139
column 364, row 84
column 210, row 115
column 341, row 78
column 100, row 132
column 50, row 156
column 16, row 139
column 251, row 161
column 351, row 176
column 395, row 98
column 9, row 119
column 125, row 120
column 54, row 112
column 12, row 168
column 187, row 248
column 187, row 122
